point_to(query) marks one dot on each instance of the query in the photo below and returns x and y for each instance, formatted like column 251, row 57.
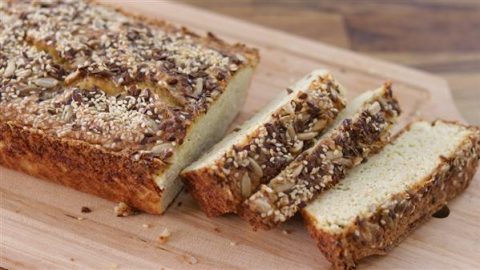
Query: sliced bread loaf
column 381, row 201
column 362, row 128
column 265, row 144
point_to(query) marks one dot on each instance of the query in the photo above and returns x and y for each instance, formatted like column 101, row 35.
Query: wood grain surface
column 438, row 36
column 42, row 226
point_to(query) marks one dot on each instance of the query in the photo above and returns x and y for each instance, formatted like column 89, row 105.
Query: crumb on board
column 190, row 259
column 217, row 229
column 80, row 218
column 179, row 204
column 232, row 243
column 123, row 210
column 86, row 209
column 146, row 226
column 164, row 236
column 287, row 231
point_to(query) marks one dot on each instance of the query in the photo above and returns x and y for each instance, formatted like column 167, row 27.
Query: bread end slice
column 369, row 215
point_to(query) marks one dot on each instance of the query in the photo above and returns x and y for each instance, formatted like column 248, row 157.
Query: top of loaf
column 400, row 166
column 85, row 71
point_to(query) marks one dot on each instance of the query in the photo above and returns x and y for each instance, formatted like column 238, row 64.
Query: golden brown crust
column 213, row 199
column 383, row 230
column 81, row 166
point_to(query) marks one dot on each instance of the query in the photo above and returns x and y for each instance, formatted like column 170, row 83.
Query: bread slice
column 265, row 144
column 109, row 103
column 363, row 128
column 381, row 201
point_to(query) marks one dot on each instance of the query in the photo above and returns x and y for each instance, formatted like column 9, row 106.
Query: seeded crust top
column 83, row 71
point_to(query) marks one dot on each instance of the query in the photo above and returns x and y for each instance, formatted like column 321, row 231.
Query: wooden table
column 438, row 36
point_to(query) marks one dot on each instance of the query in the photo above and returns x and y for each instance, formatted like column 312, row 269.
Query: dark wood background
column 438, row 36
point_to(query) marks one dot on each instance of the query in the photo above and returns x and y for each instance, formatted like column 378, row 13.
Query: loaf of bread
column 381, row 201
column 112, row 104
column 264, row 145
column 361, row 129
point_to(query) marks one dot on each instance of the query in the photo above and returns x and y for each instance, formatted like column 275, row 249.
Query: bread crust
column 378, row 232
column 82, row 166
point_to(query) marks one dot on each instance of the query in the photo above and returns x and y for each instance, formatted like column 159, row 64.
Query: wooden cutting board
column 39, row 227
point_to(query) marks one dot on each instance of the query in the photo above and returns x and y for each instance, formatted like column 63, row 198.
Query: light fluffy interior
column 249, row 126
column 207, row 130
column 402, row 164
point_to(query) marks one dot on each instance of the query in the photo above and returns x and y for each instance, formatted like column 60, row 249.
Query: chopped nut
column 122, row 210
column 190, row 259
column 164, row 236
column 86, row 209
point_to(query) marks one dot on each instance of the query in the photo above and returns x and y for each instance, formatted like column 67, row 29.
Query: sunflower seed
column 262, row 205
column 319, row 125
column 67, row 113
column 374, row 108
column 253, row 165
column 288, row 108
column 10, row 69
column 46, row 82
column 198, row 88
column 307, row 135
column 297, row 147
column 246, row 185
column 72, row 77
column 280, row 184
column 297, row 171
column 23, row 73
column 291, row 131
column 160, row 148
